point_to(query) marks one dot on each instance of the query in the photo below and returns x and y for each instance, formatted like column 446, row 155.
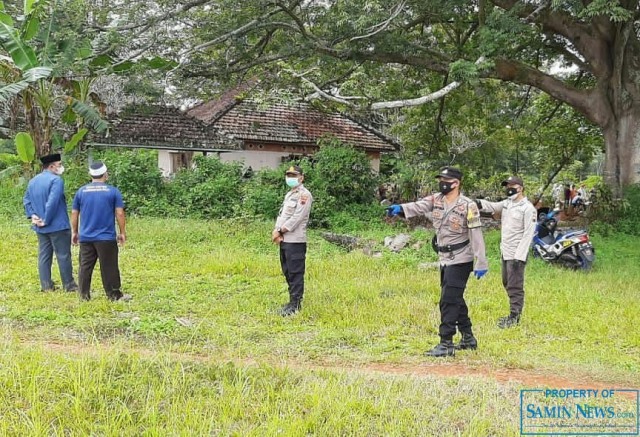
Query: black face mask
column 511, row 191
column 445, row 187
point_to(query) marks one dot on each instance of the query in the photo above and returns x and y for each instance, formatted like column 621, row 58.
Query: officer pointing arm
column 459, row 242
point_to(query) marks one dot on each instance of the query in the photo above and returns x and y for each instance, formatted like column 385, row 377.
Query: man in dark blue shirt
column 46, row 207
column 99, row 206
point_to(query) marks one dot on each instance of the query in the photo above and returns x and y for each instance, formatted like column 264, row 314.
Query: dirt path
column 447, row 369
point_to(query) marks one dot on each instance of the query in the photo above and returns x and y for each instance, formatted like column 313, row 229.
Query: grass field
column 201, row 350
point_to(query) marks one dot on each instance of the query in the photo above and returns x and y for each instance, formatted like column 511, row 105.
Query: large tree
column 380, row 54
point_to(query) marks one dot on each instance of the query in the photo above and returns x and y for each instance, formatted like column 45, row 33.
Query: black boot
column 468, row 341
column 444, row 349
column 508, row 322
column 290, row 309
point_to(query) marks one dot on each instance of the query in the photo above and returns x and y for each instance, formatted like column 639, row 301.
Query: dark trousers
column 453, row 309
column 513, row 282
column 292, row 261
column 107, row 253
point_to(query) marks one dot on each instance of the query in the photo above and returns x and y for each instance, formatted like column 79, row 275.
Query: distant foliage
column 340, row 179
column 136, row 174
column 630, row 221
column 212, row 189
column 263, row 193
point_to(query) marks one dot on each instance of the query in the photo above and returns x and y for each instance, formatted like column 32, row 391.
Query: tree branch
column 385, row 57
column 238, row 31
column 388, row 104
column 582, row 100
column 592, row 46
column 382, row 26
column 167, row 15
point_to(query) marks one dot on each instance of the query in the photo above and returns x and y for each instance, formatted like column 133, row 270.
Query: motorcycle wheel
column 585, row 264
column 569, row 261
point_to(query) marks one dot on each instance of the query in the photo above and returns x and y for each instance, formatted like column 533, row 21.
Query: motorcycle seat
column 548, row 239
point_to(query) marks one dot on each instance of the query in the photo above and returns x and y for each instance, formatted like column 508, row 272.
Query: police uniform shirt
column 518, row 226
column 454, row 223
column 294, row 214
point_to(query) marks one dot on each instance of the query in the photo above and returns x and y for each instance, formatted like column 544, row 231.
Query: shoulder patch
column 473, row 216
column 304, row 199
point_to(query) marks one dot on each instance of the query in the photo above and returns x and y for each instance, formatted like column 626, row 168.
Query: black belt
column 452, row 247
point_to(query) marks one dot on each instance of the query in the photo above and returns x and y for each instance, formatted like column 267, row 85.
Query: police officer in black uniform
column 290, row 234
column 456, row 219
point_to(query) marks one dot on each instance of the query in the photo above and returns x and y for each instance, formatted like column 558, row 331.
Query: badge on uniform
column 303, row 199
column 473, row 216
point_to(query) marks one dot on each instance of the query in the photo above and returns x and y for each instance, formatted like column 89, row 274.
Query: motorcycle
column 571, row 249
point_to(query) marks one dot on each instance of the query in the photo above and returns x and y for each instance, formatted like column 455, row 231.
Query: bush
column 340, row 178
column 629, row 222
column 8, row 160
column 136, row 174
column 212, row 189
column 264, row 192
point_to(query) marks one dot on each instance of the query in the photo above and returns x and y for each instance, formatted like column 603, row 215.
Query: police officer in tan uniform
column 290, row 234
column 459, row 241
column 519, row 218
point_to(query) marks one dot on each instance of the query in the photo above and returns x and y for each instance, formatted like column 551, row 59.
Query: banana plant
column 26, row 150
column 28, row 73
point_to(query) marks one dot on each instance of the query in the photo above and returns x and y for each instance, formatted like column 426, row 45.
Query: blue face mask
column 292, row 182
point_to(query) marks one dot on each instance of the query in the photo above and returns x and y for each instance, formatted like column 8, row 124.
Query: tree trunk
column 622, row 150
column 622, row 129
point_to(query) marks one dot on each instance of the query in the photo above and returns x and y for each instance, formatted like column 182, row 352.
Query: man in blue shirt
column 46, row 207
column 98, row 206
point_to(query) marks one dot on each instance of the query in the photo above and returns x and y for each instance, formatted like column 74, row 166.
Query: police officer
column 290, row 234
column 518, row 227
column 458, row 241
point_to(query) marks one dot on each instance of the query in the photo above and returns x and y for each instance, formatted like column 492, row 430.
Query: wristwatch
column 280, row 231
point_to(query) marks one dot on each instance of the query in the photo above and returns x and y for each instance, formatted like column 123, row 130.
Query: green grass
column 126, row 395
column 213, row 288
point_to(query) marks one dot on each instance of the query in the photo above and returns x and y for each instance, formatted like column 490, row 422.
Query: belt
column 452, row 247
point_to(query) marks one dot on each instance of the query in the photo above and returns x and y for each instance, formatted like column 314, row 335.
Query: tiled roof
column 297, row 123
column 161, row 127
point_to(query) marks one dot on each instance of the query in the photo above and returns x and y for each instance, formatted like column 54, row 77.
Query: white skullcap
column 97, row 169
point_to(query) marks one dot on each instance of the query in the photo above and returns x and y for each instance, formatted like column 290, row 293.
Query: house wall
column 164, row 162
column 170, row 161
column 259, row 159
column 256, row 159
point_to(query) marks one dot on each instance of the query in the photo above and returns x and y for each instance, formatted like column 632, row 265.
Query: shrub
column 344, row 173
column 212, row 189
column 137, row 176
column 339, row 178
column 629, row 222
column 264, row 192
column 8, row 160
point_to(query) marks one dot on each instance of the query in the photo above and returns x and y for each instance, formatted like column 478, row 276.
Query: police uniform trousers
column 453, row 308
column 513, row 282
column 292, row 261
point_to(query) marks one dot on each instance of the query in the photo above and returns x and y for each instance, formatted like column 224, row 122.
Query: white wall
column 257, row 160
column 164, row 162
column 253, row 159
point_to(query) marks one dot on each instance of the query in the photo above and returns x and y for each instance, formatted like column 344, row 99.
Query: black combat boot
column 510, row 321
column 290, row 309
column 468, row 341
column 444, row 349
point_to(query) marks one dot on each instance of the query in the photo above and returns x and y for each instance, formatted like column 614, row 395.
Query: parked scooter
column 571, row 249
